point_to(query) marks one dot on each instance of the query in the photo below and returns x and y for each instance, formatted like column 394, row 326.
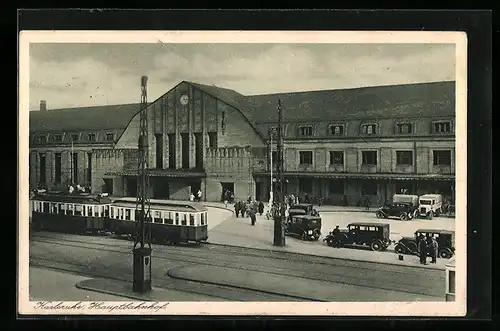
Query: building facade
column 339, row 145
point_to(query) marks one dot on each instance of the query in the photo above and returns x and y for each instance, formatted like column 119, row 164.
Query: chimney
column 43, row 105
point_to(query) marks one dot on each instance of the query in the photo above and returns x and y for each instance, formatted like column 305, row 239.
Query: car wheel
column 376, row 245
column 380, row 215
column 444, row 254
column 403, row 217
column 400, row 249
column 303, row 236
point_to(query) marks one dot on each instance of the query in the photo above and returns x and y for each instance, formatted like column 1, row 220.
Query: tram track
column 212, row 259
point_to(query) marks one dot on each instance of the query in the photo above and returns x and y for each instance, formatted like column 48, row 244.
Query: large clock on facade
column 184, row 99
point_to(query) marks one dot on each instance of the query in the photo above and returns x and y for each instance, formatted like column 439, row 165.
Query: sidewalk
column 239, row 232
column 340, row 209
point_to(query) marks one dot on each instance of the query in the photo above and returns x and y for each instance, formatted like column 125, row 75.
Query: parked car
column 430, row 205
column 294, row 212
column 405, row 198
column 307, row 207
column 445, row 239
column 304, row 226
column 373, row 235
column 402, row 210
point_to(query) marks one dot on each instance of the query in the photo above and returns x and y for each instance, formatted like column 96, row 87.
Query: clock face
column 184, row 100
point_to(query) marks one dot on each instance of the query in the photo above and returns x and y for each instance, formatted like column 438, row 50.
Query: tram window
column 202, row 219
column 176, row 218
column 55, row 210
column 78, row 209
column 63, row 208
column 70, row 210
column 106, row 211
column 167, row 215
column 184, row 219
column 46, row 207
column 96, row 211
column 191, row 219
column 169, row 221
column 127, row 214
column 120, row 213
column 89, row 211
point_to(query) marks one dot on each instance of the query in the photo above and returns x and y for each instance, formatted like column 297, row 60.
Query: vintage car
column 373, row 235
column 445, row 239
column 402, row 210
column 307, row 207
column 306, row 227
column 430, row 205
column 294, row 212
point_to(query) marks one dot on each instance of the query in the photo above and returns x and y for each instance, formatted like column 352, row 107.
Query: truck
column 430, row 205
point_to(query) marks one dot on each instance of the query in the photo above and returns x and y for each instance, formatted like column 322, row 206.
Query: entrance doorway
column 161, row 189
column 195, row 187
column 227, row 187
column 258, row 191
column 131, row 185
column 108, row 185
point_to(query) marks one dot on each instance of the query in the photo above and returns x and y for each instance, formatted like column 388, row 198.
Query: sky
column 75, row 75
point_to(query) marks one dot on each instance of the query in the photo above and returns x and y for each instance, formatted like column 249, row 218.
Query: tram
column 171, row 221
column 450, row 280
column 69, row 213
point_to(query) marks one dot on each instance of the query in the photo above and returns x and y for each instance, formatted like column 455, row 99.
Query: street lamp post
column 280, row 207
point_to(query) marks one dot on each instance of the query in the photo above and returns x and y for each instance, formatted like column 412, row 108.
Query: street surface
column 234, row 273
column 238, row 232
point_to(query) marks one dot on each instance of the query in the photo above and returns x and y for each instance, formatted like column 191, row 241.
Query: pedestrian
column 336, row 237
column 226, row 198
column 422, row 247
column 434, row 250
column 191, row 197
column 306, row 198
column 367, row 202
column 199, row 195
column 261, row 208
column 237, row 208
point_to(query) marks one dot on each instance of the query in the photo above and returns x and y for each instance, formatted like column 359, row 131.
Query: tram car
column 69, row 213
column 171, row 222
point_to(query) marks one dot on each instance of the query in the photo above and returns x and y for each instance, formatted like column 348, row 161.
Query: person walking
column 434, row 246
column 336, row 237
column 422, row 247
column 191, row 197
column 261, row 208
column 199, row 195
column 367, row 202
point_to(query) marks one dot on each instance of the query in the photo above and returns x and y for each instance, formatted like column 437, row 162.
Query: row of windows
column 338, row 186
column 162, row 217
column 159, row 217
column 373, row 128
column 74, row 137
column 70, row 209
column 441, row 157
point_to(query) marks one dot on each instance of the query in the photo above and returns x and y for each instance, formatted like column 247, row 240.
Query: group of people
column 228, row 197
column 196, row 198
column 428, row 246
column 249, row 208
column 78, row 189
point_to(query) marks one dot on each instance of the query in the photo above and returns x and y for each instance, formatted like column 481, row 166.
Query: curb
column 93, row 289
column 169, row 274
column 207, row 204
column 329, row 257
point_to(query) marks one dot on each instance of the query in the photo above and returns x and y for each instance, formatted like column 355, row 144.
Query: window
column 176, row 218
column 184, row 219
column 305, row 185
column 89, row 211
column 42, row 169
column 442, row 127
column 212, row 139
column 404, row 157
column 191, row 219
column 74, row 137
column 202, row 219
column 57, row 138
column 337, row 130
column 306, row 131
column 306, row 157
column 91, row 136
column 336, row 186
column 442, row 158
column 369, row 157
column 110, row 136
column 42, row 139
column 369, row 129
column 451, row 281
column 369, row 188
column 403, row 128
column 223, row 121
column 57, row 166
column 78, row 209
column 337, row 157
column 127, row 214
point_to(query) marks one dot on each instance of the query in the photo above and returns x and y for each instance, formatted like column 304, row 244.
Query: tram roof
column 156, row 204
column 72, row 198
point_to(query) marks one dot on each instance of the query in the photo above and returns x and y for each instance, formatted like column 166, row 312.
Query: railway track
column 315, row 269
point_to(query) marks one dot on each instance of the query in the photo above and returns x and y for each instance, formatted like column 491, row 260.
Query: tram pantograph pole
column 280, row 207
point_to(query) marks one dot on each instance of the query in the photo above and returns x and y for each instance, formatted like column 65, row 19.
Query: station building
column 338, row 144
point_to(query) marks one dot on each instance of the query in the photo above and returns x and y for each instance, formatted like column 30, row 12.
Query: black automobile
column 306, row 227
column 402, row 210
column 445, row 239
column 307, row 207
column 373, row 235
